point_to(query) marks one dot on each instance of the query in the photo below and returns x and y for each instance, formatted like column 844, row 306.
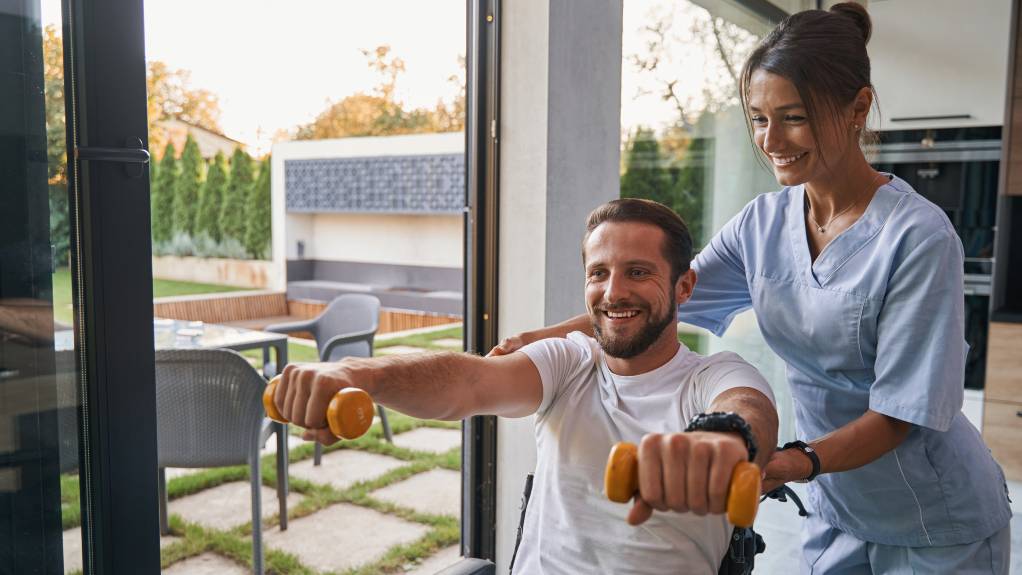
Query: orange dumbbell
column 349, row 414
column 621, row 482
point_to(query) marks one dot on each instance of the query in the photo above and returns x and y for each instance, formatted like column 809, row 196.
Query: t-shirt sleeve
column 559, row 361
column 921, row 349
column 722, row 290
column 724, row 371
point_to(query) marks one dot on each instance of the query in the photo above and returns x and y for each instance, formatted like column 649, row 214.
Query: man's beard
column 627, row 348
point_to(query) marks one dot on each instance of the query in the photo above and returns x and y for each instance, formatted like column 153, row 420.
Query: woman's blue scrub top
column 876, row 322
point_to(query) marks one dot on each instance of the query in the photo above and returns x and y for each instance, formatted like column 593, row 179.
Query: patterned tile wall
column 427, row 184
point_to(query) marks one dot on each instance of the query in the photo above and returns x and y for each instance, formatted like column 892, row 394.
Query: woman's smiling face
column 781, row 129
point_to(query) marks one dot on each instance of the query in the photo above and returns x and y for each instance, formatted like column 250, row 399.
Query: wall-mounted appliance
column 957, row 169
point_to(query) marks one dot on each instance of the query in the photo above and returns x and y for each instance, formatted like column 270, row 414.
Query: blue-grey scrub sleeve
column 920, row 357
column 722, row 290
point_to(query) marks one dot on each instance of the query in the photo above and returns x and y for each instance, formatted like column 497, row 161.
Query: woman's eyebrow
column 792, row 106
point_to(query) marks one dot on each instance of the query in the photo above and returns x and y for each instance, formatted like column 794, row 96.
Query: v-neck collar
column 848, row 242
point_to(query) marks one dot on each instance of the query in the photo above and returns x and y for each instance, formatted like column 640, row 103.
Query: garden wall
column 252, row 274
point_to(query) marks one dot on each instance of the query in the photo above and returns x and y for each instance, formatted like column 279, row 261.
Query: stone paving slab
column 434, row 563
column 228, row 505
column 437, row 491
column 292, row 442
column 344, row 468
column 343, row 536
column 398, row 349
column 449, row 342
column 431, row 439
column 73, row 548
column 207, row 564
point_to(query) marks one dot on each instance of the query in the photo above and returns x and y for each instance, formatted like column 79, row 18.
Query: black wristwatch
column 721, row 421
column 810, row 453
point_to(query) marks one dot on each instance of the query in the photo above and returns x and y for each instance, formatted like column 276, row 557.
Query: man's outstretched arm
column 446, row 385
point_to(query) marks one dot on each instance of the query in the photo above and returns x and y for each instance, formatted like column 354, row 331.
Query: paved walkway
column 337, row 537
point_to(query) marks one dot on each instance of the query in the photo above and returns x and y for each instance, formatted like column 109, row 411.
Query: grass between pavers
column 236, row 543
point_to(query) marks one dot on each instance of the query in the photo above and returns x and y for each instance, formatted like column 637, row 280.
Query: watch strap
column 725, row 422
column 809, row 452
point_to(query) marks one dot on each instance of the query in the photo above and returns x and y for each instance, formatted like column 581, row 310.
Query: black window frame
column 105, row 88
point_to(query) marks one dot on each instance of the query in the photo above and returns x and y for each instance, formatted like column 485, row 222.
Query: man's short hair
column 677, row 245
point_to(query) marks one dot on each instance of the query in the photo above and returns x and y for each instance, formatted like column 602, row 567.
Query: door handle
column 134, row 155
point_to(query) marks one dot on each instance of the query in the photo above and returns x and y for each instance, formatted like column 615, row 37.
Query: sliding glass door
column 77, row 429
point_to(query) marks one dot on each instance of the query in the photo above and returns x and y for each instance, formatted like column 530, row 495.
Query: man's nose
column 616, row 289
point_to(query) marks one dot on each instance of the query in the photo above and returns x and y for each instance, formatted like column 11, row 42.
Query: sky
column 275, row 65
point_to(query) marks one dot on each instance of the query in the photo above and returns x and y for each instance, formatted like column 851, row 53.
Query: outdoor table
column 182, row 334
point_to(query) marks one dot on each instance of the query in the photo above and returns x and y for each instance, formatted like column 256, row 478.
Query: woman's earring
column 856, row 126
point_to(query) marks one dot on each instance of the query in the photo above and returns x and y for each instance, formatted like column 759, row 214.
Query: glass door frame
column 105, row 85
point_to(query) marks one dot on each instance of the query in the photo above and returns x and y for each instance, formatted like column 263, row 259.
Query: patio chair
column 209, row 413
column 346, row 328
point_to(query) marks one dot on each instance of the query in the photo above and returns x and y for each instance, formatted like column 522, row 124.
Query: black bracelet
column 721, row 421
column 810, row 453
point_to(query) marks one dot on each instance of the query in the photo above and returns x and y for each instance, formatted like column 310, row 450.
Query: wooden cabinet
column 1011, row 154
column 1002, row 406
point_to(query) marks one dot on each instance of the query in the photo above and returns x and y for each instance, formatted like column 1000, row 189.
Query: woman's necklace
column 822, row 228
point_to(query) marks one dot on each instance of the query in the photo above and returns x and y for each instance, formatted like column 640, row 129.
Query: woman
column 857, row 283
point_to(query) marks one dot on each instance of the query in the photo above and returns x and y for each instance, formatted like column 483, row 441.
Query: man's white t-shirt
column 570, row 525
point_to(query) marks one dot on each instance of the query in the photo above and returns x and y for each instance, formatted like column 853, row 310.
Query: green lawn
column 63, row 311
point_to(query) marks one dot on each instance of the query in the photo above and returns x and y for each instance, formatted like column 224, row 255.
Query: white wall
column 391, row 230
column 940, row 57
column 427, row 240
column 560, row 154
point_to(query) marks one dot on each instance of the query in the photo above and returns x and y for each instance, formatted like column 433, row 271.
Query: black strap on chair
column 526, row 493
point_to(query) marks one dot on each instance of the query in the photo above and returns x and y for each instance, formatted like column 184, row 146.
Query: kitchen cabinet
column 1002, row 405
column 940, row 63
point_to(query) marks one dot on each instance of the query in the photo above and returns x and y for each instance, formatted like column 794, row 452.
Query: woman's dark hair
column 823, row 53
column 677, row 244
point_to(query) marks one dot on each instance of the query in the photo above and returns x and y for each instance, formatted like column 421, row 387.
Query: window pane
column 38, row 378
column 310, row 152
column 685, row 142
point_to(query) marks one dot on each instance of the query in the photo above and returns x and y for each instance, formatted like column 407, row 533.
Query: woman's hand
column 512, row 344
column 784, row 466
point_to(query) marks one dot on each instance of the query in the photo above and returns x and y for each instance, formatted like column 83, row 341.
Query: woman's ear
column 861, row 106
column 684, row 286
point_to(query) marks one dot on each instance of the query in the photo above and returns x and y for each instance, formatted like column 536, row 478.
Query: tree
column 233, row 216
column 186, row 189
column 169, row 96
column 162, row 197
column 379, row 113
column 257, row 234
column 212, row 199
column 56, row 144
column 645, row 174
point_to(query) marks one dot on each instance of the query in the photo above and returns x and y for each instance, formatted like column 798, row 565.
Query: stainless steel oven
column 957, row 169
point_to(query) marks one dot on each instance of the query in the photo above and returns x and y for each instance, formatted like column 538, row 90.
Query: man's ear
column 684, row 286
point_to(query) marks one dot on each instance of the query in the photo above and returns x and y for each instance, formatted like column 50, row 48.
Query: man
column 633, row 382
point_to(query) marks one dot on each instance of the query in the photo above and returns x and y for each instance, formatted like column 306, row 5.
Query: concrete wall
column 428, row 240
column 253, row 274
column 560, row 142
column 393, row 238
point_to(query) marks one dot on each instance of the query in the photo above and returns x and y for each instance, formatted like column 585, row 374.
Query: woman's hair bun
column 858, row 15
